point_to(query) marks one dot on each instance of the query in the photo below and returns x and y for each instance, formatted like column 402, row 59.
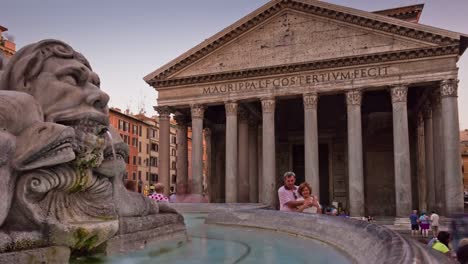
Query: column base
column 191, row 198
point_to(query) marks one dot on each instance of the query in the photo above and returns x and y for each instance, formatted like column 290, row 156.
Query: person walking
column 434, row 223
column 424, row 224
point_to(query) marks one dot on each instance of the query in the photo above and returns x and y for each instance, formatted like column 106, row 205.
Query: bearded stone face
column 69, row 94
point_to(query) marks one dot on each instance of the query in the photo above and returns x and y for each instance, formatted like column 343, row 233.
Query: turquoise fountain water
column 224, row 244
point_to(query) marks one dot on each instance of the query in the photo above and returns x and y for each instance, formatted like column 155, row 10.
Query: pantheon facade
column 362, row 105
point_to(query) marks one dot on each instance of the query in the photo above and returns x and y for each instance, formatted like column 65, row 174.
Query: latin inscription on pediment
column 293, row 37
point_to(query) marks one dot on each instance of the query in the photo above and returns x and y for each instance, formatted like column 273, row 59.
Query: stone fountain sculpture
column 61, row 177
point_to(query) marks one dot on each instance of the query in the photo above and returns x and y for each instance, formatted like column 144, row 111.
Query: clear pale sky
column 125, row 40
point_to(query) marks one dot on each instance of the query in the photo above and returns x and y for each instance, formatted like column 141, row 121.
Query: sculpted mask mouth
column 121, row 152
column 113, row 166
column 91, row 124
column 44, row 145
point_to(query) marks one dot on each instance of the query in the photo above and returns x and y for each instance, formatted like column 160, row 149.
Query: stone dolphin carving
column 30, row 143
column 127, row 203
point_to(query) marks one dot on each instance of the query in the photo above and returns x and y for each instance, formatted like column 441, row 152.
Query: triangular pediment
column 286, row 32
column 293, row 37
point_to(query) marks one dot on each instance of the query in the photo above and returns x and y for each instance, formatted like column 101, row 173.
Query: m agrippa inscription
column 297, row 80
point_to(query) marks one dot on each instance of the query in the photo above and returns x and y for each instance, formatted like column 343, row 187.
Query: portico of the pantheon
column 361, row 105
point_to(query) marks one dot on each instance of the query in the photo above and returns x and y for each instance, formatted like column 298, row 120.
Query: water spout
column 109, row 136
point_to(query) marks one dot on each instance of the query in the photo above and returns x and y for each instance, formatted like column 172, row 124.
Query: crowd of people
column 293, row 198
column 427, row 227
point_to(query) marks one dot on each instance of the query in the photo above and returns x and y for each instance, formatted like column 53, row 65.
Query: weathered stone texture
column 50, row 255
column 293, row 37
column 364, row 242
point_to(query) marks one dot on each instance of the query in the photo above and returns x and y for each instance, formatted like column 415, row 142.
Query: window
column 153, row 161
column 139, row 130
column 147, row 176
column 126, row 175
column 173, row 165
column 173, row 152
column 139, row 160
column 134, row 160
column 154, row 177
column 127, row 159
column 126, row 126
column 154, row 147
column 134, row 176
column 135, row 142
column 135, row 130
column 148, row 130
column 173, row 140
column 139, row 175
column 156, row 134
column 121, row 124
column 147, row 149
column 139, row 146
column 174, row 178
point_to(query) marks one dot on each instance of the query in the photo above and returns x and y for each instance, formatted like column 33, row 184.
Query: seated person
column 305, row 192
column 442, row 243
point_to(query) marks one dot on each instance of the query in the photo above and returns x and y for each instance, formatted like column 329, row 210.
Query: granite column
column 451, row 143
column 268, row 153
column 231, row 152
column 311, row 155
column 197, row 149
column 355, row 159
column 401, row 153
column 164, row 147
column 182, row 154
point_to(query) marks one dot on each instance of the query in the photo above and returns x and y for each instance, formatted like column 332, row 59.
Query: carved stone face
column 44, row 144
column 69, row 94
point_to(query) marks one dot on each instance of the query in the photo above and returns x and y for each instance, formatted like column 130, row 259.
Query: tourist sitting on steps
column 442, row 243
column 305, row 192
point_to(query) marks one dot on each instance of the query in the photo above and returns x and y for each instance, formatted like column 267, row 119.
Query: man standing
column 414, row 223
column 288, row 194
column 435, row 224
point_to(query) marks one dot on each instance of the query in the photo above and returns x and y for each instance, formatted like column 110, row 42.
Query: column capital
column 399, row 93
column 164, row 112
column 231, row 108
column 268, row 104
column 253, row 121
column 197, row 111
column 207, row 132
column 427, row 111
column 310, row 100
column 181, row 120
column 420, row 118
column 436, row 98
column 243, row 114
column 354, row 97
column 449, row 88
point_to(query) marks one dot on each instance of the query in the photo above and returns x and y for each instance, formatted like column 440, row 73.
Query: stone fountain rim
column 364, row 242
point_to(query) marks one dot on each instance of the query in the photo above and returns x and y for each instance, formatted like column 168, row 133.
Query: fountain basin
column 224, row 232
